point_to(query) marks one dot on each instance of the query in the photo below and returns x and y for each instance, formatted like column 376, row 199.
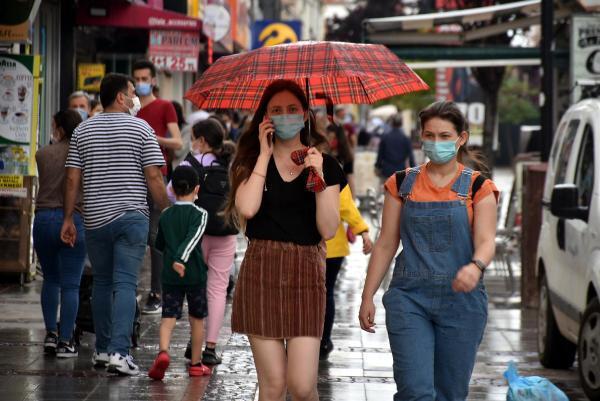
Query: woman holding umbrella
column 436, row 304
column 279, row 300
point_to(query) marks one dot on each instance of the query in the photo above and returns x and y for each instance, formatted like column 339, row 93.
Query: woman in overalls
column 436, row 304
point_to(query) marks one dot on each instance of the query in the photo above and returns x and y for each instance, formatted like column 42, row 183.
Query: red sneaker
column 199, row 370
column 160, row 365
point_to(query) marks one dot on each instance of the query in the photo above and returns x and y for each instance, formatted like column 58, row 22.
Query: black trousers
column 331, row 273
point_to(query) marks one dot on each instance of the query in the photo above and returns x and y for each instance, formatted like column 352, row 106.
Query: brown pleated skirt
column 280, row 291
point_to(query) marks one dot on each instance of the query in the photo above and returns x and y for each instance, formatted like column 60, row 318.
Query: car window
column 557, row 139
column 584, row 177
column 565, row 151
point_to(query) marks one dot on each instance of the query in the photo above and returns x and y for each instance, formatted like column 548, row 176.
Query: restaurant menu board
column 19, row 89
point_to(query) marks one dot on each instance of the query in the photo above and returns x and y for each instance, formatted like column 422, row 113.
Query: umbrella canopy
column 337, row 71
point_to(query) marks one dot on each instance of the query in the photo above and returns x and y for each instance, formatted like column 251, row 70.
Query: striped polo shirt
column 112, row 149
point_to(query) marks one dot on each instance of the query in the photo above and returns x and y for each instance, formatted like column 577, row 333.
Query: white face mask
column 136, row 106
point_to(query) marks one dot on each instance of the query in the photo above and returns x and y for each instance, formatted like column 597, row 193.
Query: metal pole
column 547, row 117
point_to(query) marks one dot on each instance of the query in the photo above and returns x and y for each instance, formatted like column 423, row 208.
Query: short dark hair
column 396, row 120
column 110, row 87
column 68, row 120
column 184, row 180
column 144, row 64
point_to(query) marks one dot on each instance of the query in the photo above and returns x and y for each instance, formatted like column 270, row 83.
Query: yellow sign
column 90, row 76
column 11, row 181
column 16, row 19
column 15, row 33
column 276, row 34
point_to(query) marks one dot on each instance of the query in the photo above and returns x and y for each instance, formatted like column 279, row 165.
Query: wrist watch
column 479, row 264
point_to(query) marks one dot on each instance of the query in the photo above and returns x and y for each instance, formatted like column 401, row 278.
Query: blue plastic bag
column 532, row 388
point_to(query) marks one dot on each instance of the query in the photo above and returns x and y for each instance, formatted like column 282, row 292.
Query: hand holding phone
column 265, row 136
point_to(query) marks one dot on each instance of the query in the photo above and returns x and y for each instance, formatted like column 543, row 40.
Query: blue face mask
column 287, row 125
column 143, row 88
column 440, row 152
column 83, row 113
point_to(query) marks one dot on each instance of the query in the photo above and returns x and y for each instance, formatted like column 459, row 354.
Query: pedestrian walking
column 61, row 264
column 436, row 304
column 337, row 249
column 341, row 150
column 279, row 301
column 160, row 114
column 117, row 158
column 218, row 247
column 80, row 102
column 180, row 229
column 395, row 151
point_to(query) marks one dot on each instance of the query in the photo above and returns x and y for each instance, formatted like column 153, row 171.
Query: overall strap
column 405, row 188
column 463, row 184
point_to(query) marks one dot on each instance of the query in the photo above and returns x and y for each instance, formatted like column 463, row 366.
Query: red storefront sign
column 174, row 50
column 133, row 16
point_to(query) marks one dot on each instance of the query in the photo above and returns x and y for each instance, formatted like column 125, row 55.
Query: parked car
column 569, row 248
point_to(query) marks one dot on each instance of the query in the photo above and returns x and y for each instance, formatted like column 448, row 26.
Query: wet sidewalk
column 359, row 369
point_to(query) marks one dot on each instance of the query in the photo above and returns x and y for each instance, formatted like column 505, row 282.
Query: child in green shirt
column 184, row 272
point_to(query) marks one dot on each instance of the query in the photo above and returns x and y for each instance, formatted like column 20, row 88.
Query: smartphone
column 270, row 138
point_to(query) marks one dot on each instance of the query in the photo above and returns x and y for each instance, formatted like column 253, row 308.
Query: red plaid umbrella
column 341, row 72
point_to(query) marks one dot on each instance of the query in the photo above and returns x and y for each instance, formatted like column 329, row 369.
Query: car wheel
column 554, row 350
column 588, row 351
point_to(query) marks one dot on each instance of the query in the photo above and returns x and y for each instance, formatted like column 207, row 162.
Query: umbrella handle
column 308, row 101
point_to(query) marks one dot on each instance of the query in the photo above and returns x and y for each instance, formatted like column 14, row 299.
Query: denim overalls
column 434, row 332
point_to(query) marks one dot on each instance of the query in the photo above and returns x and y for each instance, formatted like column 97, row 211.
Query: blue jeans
column 62, row 267
column 116, row 251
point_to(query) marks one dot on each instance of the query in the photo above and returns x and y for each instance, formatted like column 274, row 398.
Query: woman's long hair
column 248, row 147
column 449, row 111
column 344, row 153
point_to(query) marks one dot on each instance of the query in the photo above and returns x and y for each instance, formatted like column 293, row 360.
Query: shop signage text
column 174, row 50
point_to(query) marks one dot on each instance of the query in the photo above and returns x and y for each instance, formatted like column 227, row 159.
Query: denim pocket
column 134, row 226
column 433, row 233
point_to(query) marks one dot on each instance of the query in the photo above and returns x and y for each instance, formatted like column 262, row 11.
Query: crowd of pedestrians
column 131, row 172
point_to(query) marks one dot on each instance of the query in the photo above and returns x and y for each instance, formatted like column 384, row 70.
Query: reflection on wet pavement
column 359, row 368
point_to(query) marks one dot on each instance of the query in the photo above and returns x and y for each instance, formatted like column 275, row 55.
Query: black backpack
column 214, row 188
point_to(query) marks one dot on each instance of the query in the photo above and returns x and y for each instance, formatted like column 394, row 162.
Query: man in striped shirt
column 117, row 157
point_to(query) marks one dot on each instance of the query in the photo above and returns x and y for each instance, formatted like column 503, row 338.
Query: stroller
column 84, row 321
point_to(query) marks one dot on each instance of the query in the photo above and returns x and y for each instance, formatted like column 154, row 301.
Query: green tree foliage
column 517, row 102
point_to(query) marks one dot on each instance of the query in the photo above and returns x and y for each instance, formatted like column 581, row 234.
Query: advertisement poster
column 174, row 50
column 19, row 105
column 12, row 186
column 90, row 76
column 585, row 52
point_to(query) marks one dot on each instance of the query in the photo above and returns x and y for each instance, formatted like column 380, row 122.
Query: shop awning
column 136, row 16
column 448, row 28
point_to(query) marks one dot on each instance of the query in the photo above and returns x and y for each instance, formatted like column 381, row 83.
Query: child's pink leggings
column 219, row 253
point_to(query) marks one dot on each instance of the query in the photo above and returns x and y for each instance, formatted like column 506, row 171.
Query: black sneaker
column 188, row 350
column 210, row 357
column 66, row 350
column 50, row 342
column 325, row 350
column 153, row 305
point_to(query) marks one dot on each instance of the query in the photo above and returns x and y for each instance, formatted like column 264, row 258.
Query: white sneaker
column 100, row 359
column 124, row 365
